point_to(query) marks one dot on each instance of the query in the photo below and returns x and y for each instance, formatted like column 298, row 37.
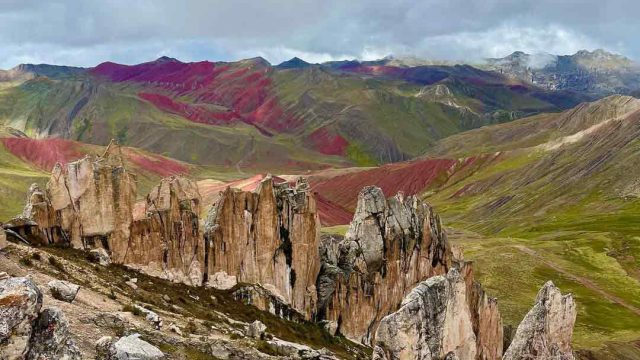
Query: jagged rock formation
column 268, row 237
column 167, row 242
column 391, row 245
column 547, row 329
column 432, row 321
column 93, row 199
column 442, row 317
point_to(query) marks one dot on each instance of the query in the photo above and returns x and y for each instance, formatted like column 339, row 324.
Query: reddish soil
column 330, row 213
column 327, row 143
column 244, row 89
column 44, row 153
column 409, row 177
column 156, row 164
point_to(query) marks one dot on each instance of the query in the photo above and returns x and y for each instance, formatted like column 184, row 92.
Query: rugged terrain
column 548, row 192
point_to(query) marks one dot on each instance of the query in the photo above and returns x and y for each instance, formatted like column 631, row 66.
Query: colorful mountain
column 249, row 114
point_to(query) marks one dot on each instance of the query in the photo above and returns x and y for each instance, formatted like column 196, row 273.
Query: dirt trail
column 579, row 279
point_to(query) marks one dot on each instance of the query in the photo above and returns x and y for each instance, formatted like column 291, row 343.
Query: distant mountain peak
column 163, row 59
column 293, row 63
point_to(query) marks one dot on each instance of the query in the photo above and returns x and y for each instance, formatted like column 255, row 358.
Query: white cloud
column 86, row 32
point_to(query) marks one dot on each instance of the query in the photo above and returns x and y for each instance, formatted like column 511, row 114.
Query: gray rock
column 20, row 303
column 256, row 329
column 63, row 290
column 174, row 328
column 330, row 326
column 100, row 256
column 104, row 348
column 546, row 331
column 153, row 318
column 51, row 339
column 133, row 348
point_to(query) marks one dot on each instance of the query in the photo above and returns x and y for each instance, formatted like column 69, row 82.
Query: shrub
column 36, row 256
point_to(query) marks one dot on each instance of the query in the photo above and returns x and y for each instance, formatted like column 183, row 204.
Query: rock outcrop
column 433, row 321
column 51, row 339
column 390, row 246
column 268, row 237
column 547, row 329
column 27, row 333
column 127, row 348
column 63, row 290
column 167, row 242
column 20, row 303
column 93, row 199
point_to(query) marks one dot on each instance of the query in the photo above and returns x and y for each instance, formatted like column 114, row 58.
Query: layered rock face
column 390, row 246
column 167, row 241
column 440, row 318
column 433, row 320
column 547, row 329
column 268, row 237
column 93, row 199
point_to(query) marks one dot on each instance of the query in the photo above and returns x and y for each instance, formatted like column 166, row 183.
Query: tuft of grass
column 26, row 261
column 56, row 264
column 132, row 309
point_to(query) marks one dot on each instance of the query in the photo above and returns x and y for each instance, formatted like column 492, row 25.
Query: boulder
column 433, row 320
column 222, row 281
column 100, row 256
column 546, row 331
column 256, row 329
column 151, row 317
column 104, row 348
column 63, row 290
column 51, row 339
column 133, row 348
column 20, row 303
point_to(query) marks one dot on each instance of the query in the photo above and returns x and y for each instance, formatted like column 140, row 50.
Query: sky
column 86, row 33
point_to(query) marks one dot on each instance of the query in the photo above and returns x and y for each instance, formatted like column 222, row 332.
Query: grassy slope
column 15, row 178
column 557, row 215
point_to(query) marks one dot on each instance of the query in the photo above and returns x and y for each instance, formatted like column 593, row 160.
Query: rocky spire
column 94, row 198
column 432, row 321
column 167, row 241
column 269, row 237
column 547, row 329
column 390, row 246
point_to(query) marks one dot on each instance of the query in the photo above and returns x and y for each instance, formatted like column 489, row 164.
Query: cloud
column 89, row 32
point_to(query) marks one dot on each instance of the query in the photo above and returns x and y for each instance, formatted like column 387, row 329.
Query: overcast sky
column 86, row 33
